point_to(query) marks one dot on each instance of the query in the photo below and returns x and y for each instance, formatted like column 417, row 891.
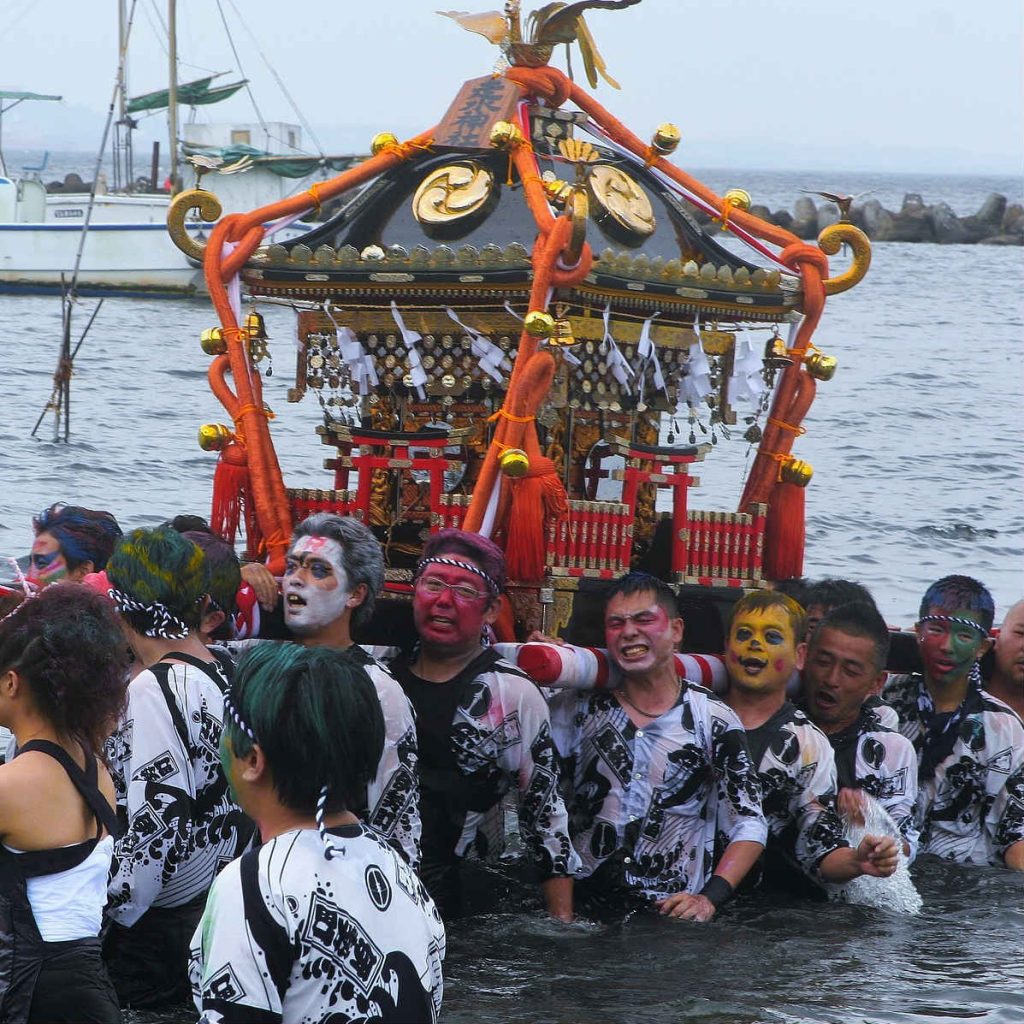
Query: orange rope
column 507, row 415
column 799, row 431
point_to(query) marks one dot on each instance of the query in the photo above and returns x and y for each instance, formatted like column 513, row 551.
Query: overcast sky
column 889, row 85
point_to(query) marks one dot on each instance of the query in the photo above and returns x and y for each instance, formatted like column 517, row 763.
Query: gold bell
column 738, row 197
column 539, row 324
column 821, row 366
column 563, row 333
column 506, row 135
column 212, row 341
column 381, row 141
column 514, row 462
column 666, row 139
column 796, row 471
column 213, row 436
column 255, row 325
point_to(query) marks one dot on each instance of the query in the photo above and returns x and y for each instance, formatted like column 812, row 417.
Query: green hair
column 763, row 600
column 159, row 567
column 316, row 716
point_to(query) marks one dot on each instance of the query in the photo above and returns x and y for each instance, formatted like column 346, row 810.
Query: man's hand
column 852, row 805
column 687, row 907
column 261, row 579
column 877, row 856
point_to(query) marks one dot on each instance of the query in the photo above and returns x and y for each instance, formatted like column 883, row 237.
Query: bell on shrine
column 514, row 462
column 214, row 436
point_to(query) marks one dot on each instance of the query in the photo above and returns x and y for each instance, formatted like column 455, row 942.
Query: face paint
column 640, row 634
column 839, row 674
column 949, row 649
column 762, row 651
column 444, row 621
column 316, row 587
column 46, row 563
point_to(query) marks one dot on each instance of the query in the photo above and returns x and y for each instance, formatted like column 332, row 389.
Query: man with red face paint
column 794, row 760
column 659, row 771
column 970, row 746
column 483, row 729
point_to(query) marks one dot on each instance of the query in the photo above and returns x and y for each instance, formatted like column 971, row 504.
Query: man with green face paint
column 970, row 746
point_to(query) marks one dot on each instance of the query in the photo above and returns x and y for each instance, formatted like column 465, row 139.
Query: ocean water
column 918, row 473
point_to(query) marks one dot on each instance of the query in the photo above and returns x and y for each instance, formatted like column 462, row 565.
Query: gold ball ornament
column 506, row 135
column 821, row 366
column 214, row 436
column 212, row 341
column 382, row 141
column 514, row 462
column 796, row 471
column 666, row 138
column 539, row 324
column 740, row 198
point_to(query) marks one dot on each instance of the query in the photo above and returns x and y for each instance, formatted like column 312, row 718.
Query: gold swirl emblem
column 453, row 198
column 621, row 206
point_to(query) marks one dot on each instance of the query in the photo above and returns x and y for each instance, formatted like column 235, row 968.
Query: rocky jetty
column 997, row 222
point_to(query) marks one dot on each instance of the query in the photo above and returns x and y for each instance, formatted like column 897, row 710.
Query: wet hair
column 643, row 583
column 763, row 600
column 955, row 593
column 831, row 593
column 796, row 587
column 361, row 557
column 316, row 716
column 161, row 571
column 858, row 619
column 480, row 549
column 82, row 534
column 223, row 566
column 67, row 645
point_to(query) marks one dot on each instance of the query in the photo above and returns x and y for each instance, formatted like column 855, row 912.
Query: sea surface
column 918, row 473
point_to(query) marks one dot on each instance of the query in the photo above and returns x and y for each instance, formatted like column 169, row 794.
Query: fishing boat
column 113, row 240
column 520, row 324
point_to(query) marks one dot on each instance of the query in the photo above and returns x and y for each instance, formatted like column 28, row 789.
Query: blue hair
column 960, row 593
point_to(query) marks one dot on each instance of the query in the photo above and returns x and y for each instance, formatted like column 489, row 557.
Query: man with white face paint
column 333, row 573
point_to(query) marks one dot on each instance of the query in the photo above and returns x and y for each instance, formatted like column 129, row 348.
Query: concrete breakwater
column 997, row 222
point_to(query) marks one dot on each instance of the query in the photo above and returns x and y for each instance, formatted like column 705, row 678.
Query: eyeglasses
column 462, row 592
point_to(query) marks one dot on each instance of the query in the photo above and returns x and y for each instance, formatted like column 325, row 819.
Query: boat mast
column 172, row 92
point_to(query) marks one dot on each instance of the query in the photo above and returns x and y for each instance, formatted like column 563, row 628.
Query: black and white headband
column 957, row 620
column 165, row 624
column 468, row 566
column 230, row 711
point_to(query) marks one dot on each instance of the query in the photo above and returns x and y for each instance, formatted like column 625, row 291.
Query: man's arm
column 1014, row 856
column 738, row 859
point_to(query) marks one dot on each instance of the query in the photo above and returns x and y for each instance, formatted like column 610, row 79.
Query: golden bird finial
column 546, row 27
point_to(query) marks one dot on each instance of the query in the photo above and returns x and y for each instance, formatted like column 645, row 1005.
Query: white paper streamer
column 747, row 380
column 696, row 385
column 416, row 371
column 648, row 353
column 360, row 365
column 617, row 362
column 492, row 360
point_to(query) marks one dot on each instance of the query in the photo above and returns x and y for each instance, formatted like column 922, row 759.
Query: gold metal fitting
column 562, row 334
column 558, row 191
column 796, row 471
column 255, row 325
column 539, row 324
column 514, row 462
column 776, row 355
column 666, row 138
column 821, row 366
column 212, row 341
column 381, row 141
column 740, row 198
column 506, row 135
column 214, row 436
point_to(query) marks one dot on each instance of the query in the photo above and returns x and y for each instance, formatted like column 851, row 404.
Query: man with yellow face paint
column 794, row 759
column 970, row 746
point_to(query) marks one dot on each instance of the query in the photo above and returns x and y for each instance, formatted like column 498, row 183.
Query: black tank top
column 34, row 863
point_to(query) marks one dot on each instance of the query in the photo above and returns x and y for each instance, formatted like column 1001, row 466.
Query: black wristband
column 716, row 891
